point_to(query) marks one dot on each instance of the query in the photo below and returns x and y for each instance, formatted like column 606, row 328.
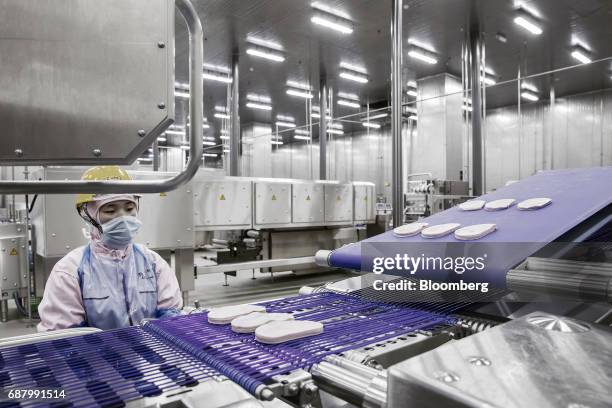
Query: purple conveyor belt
column 104, row 369
column 576, row 195
column 349, row 323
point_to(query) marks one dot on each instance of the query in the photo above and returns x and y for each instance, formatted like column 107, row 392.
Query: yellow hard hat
column 100, row 173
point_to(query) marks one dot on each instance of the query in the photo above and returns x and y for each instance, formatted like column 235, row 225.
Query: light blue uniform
column 119, row 292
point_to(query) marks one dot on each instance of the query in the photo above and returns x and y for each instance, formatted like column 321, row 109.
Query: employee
column 110, row 282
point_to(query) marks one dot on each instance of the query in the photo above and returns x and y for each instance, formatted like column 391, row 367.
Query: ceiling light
column 184, row 147
column 299, row 85
column 410, row 109
column 348, row 103
column 207, row 143
column 379, row 116
column 413, row 117
column 353, row 76
column 222, row 115
column 226, row 150
column 184, row 95
column 581, row 55
column 161, row 139
column 530, row 96
column 276, row 142
column 525, row 20
column 175, row 132
column 318, row 116
column 210, row 155
column 422, row 55
column 280, row 123
column 529, row 87
column 336, row 125
column 333, row 22
column 335, row 131
column 143, row 159
column 216, row 76
column 372, row 125
column 224, row 137
column 466, row 107
column 299, row 93
column 260, row 106
column 265, row 53
column 412, row 92
column 301, row 137
column 302, row 132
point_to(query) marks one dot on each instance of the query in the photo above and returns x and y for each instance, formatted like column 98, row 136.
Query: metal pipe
column 476, row 93
column 3, row 310
column 155, row 156
column 196, row 113
column 323, row 130
column 396, row 113
column 235, row 114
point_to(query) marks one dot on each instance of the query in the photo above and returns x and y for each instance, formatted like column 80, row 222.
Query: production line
column 231, row 204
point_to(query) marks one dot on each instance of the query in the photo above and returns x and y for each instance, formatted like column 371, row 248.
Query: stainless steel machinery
column 13, row 264
column 430, row 196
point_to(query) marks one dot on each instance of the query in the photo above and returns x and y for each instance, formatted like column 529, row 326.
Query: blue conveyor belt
column 576, row 195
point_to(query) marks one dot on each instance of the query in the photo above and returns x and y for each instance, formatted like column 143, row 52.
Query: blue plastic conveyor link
column 576, row 195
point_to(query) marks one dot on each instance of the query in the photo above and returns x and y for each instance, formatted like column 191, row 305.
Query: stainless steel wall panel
column 81, row 78
column 308, row 203
column 338, row 203
column 364, row 211
column 272, row 203
column 223, row 204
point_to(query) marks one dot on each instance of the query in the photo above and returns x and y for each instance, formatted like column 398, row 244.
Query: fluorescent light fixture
column 161, row 139
column 280, row 123
column 335, row 131
column 175, row 132
column 299, row 85
column 351, row 67
column 221, row 115
column 350, row 104
column 581, row 55
column 379, row 116
column 410, row 110
column 208, row 138
column 276, row 142
column 302, row 132
column 372, row 125
column 353, row 76
column 529, row 87
column 466, row 107
column 264, row 43
column 258, row 98
column 530, row 96
column 207, row 143
column 336, row 125
column 264, row 53
column 318, row 116
column 412, row 84
column 210, row 155
column 422, row 55
column 413, row 117
column 412, row 92
column 184, row 95
column 224, row 131
column 226, row 150
column 299, row 93
column 336, row 23
column 347, row 95
column 143, row 159
column 488, row 79
column 205, row 125
column 224, row 137
column 285, row 118
column 260, row 106
column 184, row 147
column 216, row 76
column 301, row 137
column 525, row 20
column 181, row 86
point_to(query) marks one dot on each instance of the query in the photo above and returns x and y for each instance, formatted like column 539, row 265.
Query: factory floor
column 209, row 290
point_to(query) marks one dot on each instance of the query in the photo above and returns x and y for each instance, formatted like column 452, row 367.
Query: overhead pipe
column 196, row 113
column 396, row 114
column 235, row 114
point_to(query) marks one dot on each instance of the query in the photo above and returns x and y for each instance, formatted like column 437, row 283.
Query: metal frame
column 196, row 113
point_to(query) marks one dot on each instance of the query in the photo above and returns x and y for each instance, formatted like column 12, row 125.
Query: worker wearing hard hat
column 111, row 282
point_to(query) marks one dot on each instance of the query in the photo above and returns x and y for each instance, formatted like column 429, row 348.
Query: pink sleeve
column 168, row 292
column 62, row 305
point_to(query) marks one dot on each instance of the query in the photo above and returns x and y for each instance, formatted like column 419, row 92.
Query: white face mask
column 120, row 232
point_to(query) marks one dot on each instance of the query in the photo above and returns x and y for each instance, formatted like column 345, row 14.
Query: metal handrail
column 196, row 113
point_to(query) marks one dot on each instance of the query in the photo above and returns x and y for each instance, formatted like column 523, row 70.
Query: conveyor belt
column 349, row 323
column 99, row 369
column 577, row 194
column 110, row 368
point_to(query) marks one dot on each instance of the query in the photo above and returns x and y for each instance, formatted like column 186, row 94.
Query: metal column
column 476, row 94
column 396, row 113
column 235, row 114
column 323, row 130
